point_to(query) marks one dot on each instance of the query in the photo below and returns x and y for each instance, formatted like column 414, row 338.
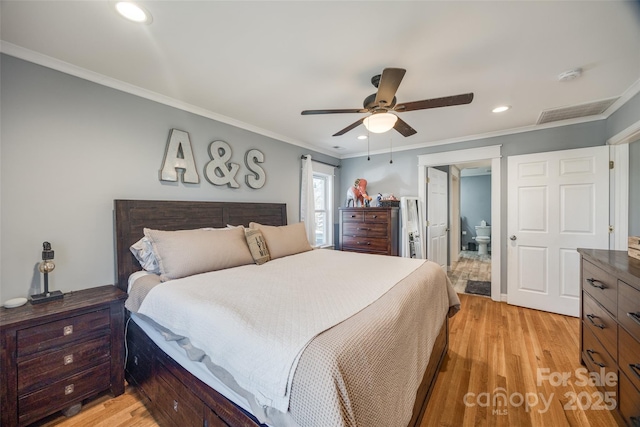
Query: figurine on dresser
column 358, row 194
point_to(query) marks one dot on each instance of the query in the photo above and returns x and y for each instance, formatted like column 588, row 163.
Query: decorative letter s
column 251, row 159
column 178, row 155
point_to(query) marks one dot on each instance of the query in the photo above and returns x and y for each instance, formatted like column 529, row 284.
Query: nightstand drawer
column 601, row 324
column 63, row 393
column 602, row 286
column 629, row 402
column 596, row 357
column 365, row 229
column 52, row 366
column 56, row 334
column 629, row 309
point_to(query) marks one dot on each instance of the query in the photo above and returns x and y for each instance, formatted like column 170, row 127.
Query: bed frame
column 173, row 394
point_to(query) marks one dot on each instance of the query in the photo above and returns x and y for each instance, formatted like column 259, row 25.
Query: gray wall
column 70, row 147
column 475, row 204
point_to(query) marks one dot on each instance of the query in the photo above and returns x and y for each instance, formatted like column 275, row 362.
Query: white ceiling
column 257, row 65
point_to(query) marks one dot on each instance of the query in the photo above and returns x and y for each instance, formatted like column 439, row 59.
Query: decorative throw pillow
column 257, row 245
column 284, row 240
column 143, row 251
column 188, row 252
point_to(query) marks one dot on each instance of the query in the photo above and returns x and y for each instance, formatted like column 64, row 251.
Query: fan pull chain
column 368, row 139
column 390, row 150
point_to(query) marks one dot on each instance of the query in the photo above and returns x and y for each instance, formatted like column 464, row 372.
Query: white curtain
column 307, row 201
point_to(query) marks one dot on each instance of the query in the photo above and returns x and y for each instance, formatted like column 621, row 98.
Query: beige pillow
column 284, row 240
column 187, row 252
column 257, row 245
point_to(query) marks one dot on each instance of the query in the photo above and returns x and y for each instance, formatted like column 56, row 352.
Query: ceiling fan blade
column 388, row 86
column 404, row 128
column 348, row 128
column 447, row 101
column 352, row 110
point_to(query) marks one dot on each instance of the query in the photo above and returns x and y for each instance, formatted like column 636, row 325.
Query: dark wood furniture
column 56, row 354
column 370, row 230
column 610, row 331
column 176, row 397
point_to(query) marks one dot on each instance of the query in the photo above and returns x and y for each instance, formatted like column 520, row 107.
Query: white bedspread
column 254, row 321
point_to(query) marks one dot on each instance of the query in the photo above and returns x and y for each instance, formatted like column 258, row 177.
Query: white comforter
column 254, row 321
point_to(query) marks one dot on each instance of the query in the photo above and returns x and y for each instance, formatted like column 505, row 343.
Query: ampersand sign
column 216, row 170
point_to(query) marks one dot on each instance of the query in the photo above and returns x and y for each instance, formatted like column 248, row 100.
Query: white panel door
column 437, row 216
column 558, row 202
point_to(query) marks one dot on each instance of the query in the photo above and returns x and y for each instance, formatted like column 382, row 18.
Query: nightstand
column 56, row 354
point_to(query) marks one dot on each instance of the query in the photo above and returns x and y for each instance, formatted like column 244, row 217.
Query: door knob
column 513, row 237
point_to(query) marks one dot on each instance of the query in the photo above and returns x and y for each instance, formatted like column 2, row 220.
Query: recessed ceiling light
column 362, row 137
column 501, row 109
column 133, row 12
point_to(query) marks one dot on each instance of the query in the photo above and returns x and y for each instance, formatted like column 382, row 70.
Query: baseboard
column 503, row 297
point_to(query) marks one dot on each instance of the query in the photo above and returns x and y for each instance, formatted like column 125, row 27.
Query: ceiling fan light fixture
column 380, row 122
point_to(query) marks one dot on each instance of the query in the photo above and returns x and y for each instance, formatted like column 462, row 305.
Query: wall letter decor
column 216, row 170
column 178, row 155
column 258, row 178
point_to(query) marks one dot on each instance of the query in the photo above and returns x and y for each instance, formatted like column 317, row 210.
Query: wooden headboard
column 132, row 216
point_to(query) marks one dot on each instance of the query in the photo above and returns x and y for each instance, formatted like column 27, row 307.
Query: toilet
column 483, row 237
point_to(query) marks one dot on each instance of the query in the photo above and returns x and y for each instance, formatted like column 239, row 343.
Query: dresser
column 370, row 230
column 610, row 328
column 56, row 354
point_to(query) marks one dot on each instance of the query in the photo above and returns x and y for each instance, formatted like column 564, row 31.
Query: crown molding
column 67, row 68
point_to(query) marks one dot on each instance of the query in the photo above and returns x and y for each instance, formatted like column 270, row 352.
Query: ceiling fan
column 383, row 102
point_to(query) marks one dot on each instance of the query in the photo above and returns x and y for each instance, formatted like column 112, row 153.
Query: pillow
column 188, row 252
column 285, row 240
column 257, row 245
column 143, row 252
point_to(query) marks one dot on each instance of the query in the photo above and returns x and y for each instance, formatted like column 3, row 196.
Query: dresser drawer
column 178, row 405
column 376, row 216
column 353, row 216
column 596, row 357
column 62, row 332
column 364, row 229
column 629, row 350
column 601, row 324
column 629, row 402
column 52, row 366
column 601, row 285
column 629, row 309
column 63, row 393
column 365, row 243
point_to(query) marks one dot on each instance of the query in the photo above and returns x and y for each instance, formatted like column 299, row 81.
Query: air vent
column 575, row 111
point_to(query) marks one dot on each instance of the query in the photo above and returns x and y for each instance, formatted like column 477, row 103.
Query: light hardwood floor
column 492, row 345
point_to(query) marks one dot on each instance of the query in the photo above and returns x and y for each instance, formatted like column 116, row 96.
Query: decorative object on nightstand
column 56, row 355
column 46, row 267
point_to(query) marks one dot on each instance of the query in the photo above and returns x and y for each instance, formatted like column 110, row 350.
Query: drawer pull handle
column 590, row 354
column 597, row 325
column 364, row 243
column 593, row 282
column 635, row 317
column 635, row 421
column 353, row 216
column 635, row 368
column 68, row 359
column 375, row 216
column 135, row 360
column 68, row 389
column 175, row 405
column 363, row 229
column 67, row 330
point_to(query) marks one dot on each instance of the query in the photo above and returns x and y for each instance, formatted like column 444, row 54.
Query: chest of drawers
column 610, row 329
column 57, row 354
column 370, row 230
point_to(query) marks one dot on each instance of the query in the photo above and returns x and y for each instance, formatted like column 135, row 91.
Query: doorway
column 461, row 157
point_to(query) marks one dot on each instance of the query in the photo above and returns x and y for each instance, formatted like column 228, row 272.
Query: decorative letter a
column 178, row 155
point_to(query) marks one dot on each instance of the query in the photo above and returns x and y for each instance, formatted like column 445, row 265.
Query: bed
column 174, row 367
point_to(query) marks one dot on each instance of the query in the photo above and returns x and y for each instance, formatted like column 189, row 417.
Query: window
column 323, row 201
